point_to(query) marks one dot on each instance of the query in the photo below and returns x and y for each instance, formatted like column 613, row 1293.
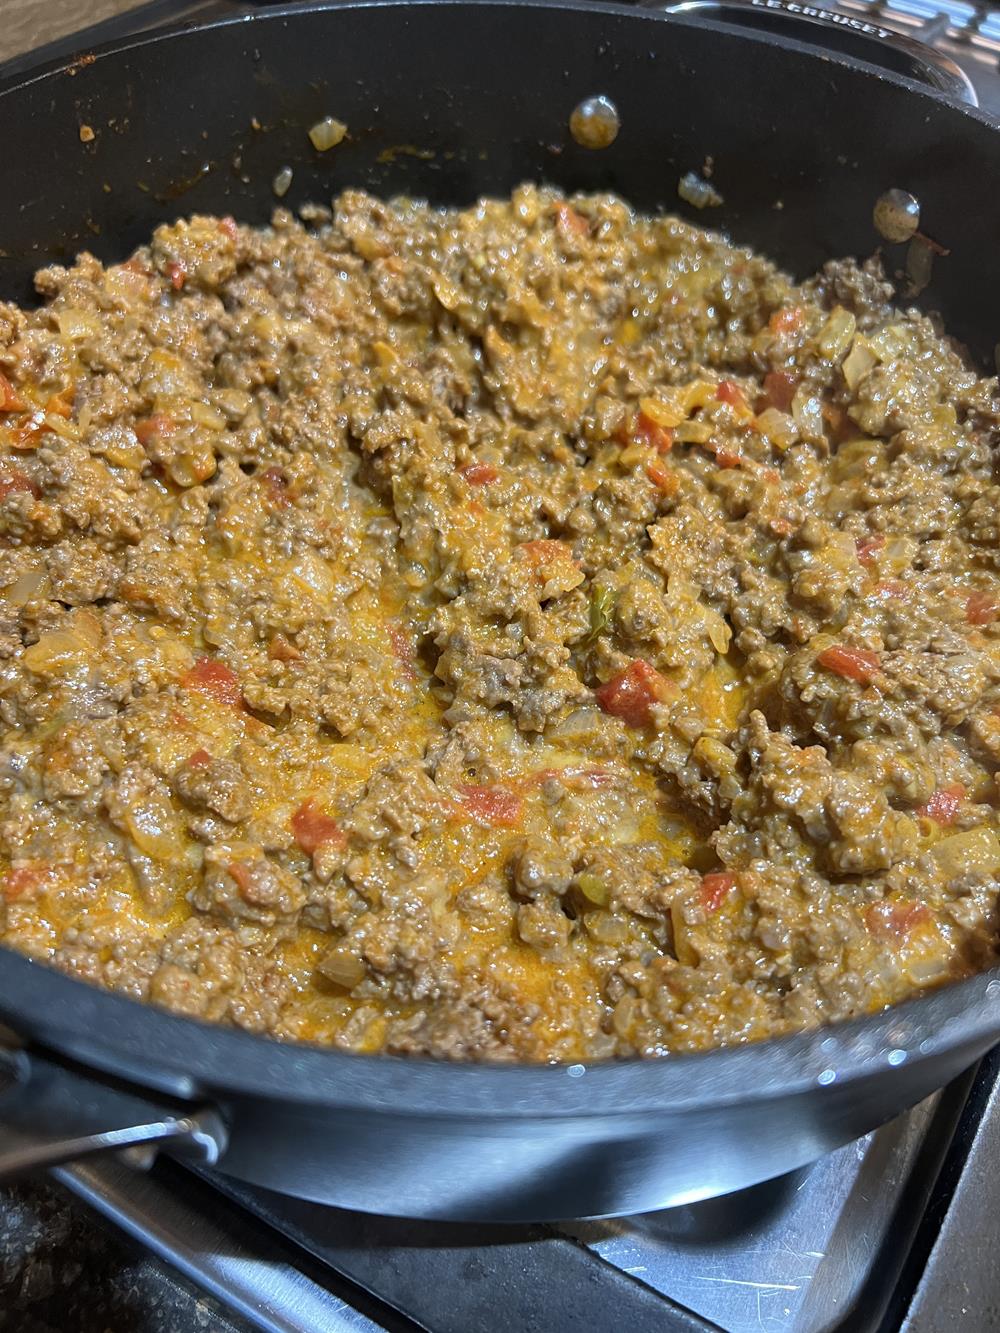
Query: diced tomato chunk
column 281, row 649
column 892, row 588
column 314, row 829
column 212, row 677
column 480, row 474
column 275, row 483
column 648, row 431
column 632, row 693
column 22, row 881
column 493, row 805
column 868, row 547
column 177, row 274
column 199, row 759
column 664, row 478
column 730, row 392
column 228, row 227
column 838, row 421
column 852, row 663
column 982, row 608
column 727, row 457
column 61, row 404
column 944, row 805
column 715, row 889
column 789, row 320
column 15, row 480
column 544, row 551
column 242, row 874
column 779, row 388
column 893, row 922
column 10, row 399
column 156, row 426
column 402, row 647
column 572, row 222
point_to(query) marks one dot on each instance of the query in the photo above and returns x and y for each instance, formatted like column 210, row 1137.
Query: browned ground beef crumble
column 531, row 632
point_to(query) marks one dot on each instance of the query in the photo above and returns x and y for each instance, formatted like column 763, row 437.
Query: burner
column 881, row 1235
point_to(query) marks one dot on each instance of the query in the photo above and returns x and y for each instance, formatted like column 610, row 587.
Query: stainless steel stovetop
column 899, row 1231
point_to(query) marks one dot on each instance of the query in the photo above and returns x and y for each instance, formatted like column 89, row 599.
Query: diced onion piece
column 26, row 586
column 593, row 888
column 342, row 967
column 778, row 428
column 697, row 192
column 693, row 432
column 836, row 334
column 974, row 851
column 282, row 182
column 719, row 634
column 327, row 133
column 77, row 324
column 858, row 362
column 313, row 572
column 807, row 411
column 664, row 413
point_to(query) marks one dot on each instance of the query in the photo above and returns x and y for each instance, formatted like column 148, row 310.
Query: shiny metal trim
column 200, row 1136
column 942, row 73
column 262, row 1286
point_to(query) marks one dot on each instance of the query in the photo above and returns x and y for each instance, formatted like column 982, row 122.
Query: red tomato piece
column 892, row 588
column 779, row 388
column 402, row 647
column 177, row 274
column 789, row 320
column 663, row 478
column 242, row 874
column 981, row 608
column 632, row 693
column 728, row 457
column 10, row 399
column 730, row 392
column 648, row 431
column 893, row 922
column 571, row 222
column 480, row 474
column 156, row 426
column 212, row 677
column 944, row 805
column 199, row 759
column 715, row 889
column 314, row 829
column 228, row 227
column 281, row 649
column 16, row 480
column 544, row 551
column 851, row 663
column 276, row 485
column 22, row 881
column 868, row 547
column 493, row 805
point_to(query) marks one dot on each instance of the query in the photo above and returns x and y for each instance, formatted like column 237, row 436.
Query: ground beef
column 532, row 632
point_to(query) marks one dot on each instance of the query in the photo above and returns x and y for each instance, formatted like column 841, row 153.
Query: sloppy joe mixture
column 533, row 632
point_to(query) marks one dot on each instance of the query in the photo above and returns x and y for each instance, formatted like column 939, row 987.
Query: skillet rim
column 119, row 1035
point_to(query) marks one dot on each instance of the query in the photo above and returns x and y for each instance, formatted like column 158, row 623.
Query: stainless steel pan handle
column 842, row 33
column 51, row 1114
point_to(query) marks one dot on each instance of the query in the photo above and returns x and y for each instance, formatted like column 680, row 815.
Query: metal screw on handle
column 855, row 36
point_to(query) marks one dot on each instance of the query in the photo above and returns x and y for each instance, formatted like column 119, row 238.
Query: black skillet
column 802, row 145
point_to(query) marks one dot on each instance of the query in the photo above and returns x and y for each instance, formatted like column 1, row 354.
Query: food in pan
column 534, row 632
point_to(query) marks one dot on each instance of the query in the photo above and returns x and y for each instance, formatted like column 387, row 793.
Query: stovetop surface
column 898, row 1231
column 895, row 1232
